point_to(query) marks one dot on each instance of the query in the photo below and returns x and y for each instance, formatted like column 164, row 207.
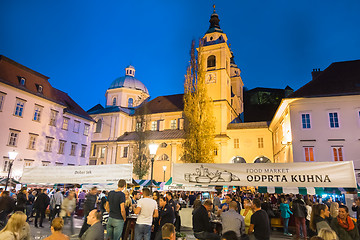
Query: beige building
column 115, row 131
column 320, row 122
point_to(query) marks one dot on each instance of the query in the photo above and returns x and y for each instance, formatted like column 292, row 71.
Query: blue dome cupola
column 129, row 81
column 126, row 91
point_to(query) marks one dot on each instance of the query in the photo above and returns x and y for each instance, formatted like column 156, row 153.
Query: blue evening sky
column 83, row 45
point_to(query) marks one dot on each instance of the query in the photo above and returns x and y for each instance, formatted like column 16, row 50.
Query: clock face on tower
column 210, row 78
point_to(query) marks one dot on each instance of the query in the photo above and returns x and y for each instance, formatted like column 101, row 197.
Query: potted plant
column 180, row 236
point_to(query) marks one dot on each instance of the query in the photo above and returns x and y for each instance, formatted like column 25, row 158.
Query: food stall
column 300, row 177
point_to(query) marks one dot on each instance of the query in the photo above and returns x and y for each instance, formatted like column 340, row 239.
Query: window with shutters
column 309, row 154
column 338, row 153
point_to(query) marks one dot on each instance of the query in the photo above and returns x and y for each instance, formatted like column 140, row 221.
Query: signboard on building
column 103, row 174
column 314, row 174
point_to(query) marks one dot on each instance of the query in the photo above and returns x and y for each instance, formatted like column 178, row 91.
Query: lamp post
column 164, row 168
column 152, row 148
column 12, row 156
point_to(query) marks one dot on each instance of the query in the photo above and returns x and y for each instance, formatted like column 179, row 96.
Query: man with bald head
column 96, row 230
column 232, row 220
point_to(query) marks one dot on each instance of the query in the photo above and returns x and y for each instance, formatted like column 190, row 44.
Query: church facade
column 236, row 142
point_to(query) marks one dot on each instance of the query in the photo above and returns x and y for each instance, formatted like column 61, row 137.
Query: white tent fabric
column 102, row 174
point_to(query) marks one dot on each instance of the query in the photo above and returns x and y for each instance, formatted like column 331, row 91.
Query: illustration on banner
column 203, row 175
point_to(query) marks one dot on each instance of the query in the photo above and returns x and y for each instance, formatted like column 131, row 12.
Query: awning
column 107, row 186
column 11, row 181
column 100, row 186
column 169, row 182
column 147, row 183
column 306, row 190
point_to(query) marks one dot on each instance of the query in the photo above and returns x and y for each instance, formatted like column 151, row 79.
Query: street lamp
column 12, row 156
column 164, row 168
column 152, row 148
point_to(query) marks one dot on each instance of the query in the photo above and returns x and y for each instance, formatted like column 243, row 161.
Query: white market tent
column 102, row 175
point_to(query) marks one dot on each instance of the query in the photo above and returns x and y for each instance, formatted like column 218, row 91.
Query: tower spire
column 214, row 22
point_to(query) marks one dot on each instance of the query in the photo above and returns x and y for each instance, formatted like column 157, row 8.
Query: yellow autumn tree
column 199, row 124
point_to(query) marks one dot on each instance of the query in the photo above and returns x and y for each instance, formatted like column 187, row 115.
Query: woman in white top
column 16, row 228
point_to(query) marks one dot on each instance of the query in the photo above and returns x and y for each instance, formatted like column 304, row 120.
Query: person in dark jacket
column 40, row 205
column 89, row 205
column 356, row 208
column 201, row 223
column 344, row 226
column 30, row 205
column 166, row 215
column 176, row 206
column 21, row 199
column 96, row 230
column 7, row 205
column 320, row 212
column 300, row 213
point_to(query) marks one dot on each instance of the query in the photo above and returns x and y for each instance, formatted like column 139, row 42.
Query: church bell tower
column 221, row 80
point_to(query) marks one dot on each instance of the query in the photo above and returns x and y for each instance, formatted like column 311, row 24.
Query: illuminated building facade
column 41, row 123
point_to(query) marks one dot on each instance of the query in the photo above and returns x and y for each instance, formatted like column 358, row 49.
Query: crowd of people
column 102, row 210
column 240, row 215
column 250, row 214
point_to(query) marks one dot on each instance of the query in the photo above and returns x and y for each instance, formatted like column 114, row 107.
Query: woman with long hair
column 156, row 197
column 16, row 228
column 247, row 212
column 57, row 225
column 128, row 209
column 309, row 207
column 319, row 214
column 344, row 226
column 128, row 203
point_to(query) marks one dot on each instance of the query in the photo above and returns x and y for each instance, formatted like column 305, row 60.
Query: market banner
column 104, row 174
column 309, row 174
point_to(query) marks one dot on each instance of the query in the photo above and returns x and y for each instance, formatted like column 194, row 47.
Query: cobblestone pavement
column 41, row 233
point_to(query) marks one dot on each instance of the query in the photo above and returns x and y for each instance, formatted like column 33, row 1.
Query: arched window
column 164, row 157
column 211, row 61
column 262, row 159
column 130, row 102
column 114, row 101
column 98, row 126
column 238, row 159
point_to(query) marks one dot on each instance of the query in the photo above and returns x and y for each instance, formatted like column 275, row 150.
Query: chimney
column 315, row 73
column 288, row 91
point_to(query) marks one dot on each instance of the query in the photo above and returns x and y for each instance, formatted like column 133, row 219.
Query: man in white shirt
column 146, row 209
